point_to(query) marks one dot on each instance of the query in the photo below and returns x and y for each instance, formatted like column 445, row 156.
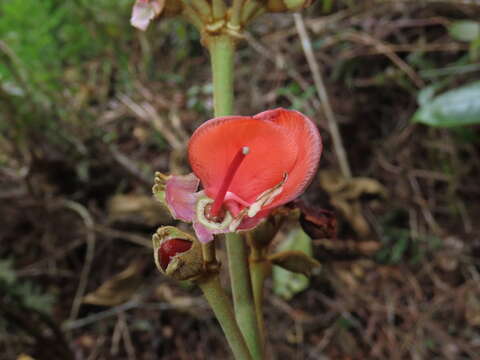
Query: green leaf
column 286, row 283
column 456, row 107
column 465, row 30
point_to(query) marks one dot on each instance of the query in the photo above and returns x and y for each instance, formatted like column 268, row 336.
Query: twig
column 132, row 304
column 127, row 339
column 385, row 49
column 131, row 166
column 82, row 284
column 177, row 124
column 280, row 62
column 323, row 96
column 147, row 112
column 133, row 238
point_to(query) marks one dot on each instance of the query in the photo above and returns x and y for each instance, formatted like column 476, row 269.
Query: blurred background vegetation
column 90, row 108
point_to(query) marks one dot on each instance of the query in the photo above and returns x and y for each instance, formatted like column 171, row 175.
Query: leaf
column 286, row 283
column 119, row 288
column 295, row 261
column 465, row 30
column 455, row 107
column 24, row 357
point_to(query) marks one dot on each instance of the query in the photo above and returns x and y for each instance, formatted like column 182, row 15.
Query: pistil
column 232, row 169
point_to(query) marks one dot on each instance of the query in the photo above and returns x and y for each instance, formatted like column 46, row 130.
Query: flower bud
column 177, row 254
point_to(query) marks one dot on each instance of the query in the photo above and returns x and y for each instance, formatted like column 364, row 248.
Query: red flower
column 247, row 166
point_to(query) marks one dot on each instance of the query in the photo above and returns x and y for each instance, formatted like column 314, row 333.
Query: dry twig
column 323, row 96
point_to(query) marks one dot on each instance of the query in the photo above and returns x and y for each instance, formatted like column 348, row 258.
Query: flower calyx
column 177, row 254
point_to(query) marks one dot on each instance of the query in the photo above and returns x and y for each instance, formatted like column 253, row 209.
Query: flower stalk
column 222, row 51
column 244, row 305
column 260, row 269
column 222, row 307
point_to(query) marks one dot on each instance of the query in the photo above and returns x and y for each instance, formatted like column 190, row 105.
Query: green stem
column 222, row 50
column 193, row 17
column 242, row 293
column 203, row 8
column 259, row 271
column 222, row 307
column 260, row 268
column 218, row 9
column 250, row 10
column 236, row 13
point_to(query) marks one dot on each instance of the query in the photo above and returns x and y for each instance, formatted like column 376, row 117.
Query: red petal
column 273, row 152
column 307, row 139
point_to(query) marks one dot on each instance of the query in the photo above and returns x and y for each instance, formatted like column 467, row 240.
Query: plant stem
column 236, row 13
column 222, row 50
column 259, row 270
column 193, row 17
column 222, row 307
column 242, row 293
column 203, row 8
column 218, row 9
column 250, row 9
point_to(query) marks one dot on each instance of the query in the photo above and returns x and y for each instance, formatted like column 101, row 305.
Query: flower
column 247, row 165
column 145, row 11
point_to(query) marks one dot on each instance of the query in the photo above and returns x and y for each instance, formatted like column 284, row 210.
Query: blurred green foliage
column 398, row 243
column 52, row 55
column 61, row 34
column 25, row 293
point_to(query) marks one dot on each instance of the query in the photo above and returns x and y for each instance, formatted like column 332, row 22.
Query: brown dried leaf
column 119, row 288
column 472, row 308
column 24, row 357
column 345, row 195
column 165, row 293
column 139, row 209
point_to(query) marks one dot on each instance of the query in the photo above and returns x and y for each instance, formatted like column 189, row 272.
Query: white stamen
column 245, row 150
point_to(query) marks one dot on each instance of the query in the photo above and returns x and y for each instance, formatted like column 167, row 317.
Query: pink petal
column 181, row 196
column 204, row 235
column 145, row 11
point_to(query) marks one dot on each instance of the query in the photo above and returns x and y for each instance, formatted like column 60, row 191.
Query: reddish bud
column 170, row 248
